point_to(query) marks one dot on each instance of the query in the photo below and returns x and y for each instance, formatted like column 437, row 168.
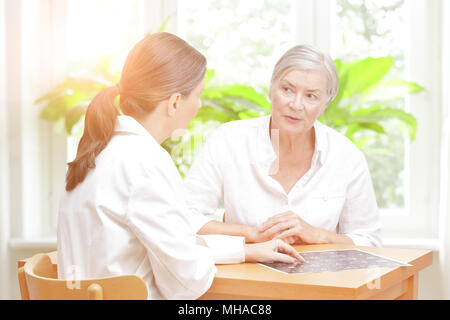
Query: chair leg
column 23, row 284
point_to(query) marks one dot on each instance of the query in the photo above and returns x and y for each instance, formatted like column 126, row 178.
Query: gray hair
column 306, row 57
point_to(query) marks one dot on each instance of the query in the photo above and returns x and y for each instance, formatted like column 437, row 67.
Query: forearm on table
column 216, row 227
column 331, row 237
column 340, row 238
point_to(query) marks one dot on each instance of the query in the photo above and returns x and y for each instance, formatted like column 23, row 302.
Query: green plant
column 68, row 101
column 364, row 100
column 362, row 105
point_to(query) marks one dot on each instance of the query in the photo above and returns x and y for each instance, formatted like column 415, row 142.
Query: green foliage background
column 362, row 110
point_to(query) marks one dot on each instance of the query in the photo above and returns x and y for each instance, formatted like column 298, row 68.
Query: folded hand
column 291, row 228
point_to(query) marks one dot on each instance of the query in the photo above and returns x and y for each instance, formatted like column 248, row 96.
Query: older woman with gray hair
column 286, row 175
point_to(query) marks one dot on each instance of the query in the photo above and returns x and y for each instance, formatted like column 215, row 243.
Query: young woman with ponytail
column 123, row 209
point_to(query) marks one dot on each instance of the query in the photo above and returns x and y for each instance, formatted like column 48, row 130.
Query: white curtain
column 32, row 155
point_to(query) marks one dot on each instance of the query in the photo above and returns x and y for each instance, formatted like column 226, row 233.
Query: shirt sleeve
column 204, row 184
column 182, row 269
column 360, row 219
column 225, row 249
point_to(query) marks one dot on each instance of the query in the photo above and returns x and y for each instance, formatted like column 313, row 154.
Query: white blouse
column 129, row 216
column 233, row 166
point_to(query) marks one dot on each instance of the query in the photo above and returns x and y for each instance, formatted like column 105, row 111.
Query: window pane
column 99, row 35
column 377, row 29
column 96, row 28
column 241, row 39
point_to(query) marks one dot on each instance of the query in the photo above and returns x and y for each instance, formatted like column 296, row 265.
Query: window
column 368, row 28
column 228, row 33
column 100, row 34
column 405, row 173
column 242, row 40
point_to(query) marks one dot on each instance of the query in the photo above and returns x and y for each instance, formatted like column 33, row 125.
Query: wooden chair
column 38, row 280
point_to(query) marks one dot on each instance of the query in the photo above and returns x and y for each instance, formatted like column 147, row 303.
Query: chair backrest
column 38, row 280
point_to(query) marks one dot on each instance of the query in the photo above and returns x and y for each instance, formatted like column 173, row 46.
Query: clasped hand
column 290, row 228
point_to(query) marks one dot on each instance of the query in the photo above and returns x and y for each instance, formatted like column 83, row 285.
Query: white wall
column 444, row 223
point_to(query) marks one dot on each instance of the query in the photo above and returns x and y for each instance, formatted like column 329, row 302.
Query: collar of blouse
column 267, row 155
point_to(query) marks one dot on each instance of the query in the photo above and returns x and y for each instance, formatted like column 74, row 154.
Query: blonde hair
column 306, row 57
column 157, row 67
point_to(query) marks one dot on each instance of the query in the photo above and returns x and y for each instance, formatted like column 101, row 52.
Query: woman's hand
column 290, row 227
column 200, row 241
column 272, row 251
column 252, row 234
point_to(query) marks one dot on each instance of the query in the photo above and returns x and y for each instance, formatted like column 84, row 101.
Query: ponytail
column 99, row 124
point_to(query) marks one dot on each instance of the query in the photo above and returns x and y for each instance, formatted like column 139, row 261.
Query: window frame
column 312, row 15
column 4, row 159
column 154, row 12
column 419, row 219
column 411, row 222
column 38, row 161
column 444, row 220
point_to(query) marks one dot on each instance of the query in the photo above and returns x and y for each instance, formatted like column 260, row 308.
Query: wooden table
column 253, row 281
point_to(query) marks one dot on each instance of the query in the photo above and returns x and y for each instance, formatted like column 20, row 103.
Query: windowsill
column 34, row 243
column 412, row 243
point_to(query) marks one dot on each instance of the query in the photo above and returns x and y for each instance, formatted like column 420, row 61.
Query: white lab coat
column 129, row 217
column 335, row 194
